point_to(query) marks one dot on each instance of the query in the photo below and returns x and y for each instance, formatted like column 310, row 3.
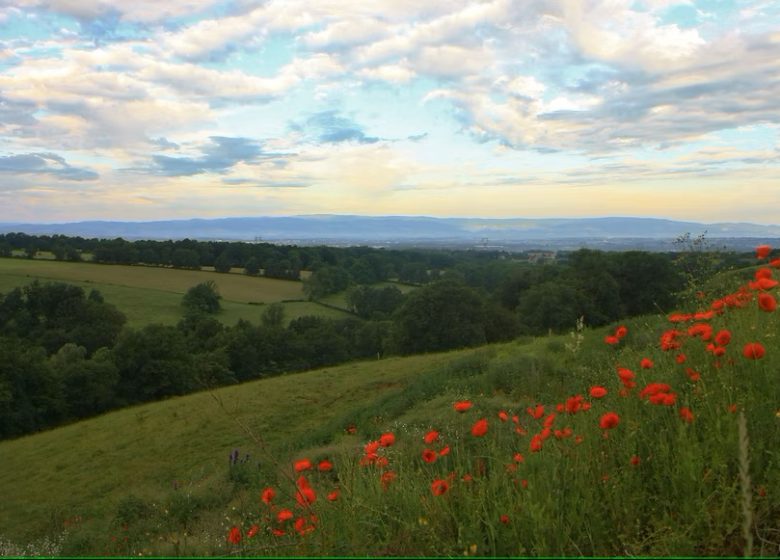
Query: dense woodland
column 66, row 354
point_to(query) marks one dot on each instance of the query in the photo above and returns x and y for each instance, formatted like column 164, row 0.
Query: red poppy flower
column 680, row 358
column 284, row 515
column 302, row 465
column 371, row 447
column 386, row 478
column 763, row 284
column 268, row 495
column 431, row 436
column 479, row 428
column 325, row 466
column 621, row 331
column 253, row 530
column 444, row 451
column 635, row 460
column 302, row 527
column 767, row 302
column 537, row 412
column 387, row 439
column 762, row 251
column 692, row 374
column 573, row 404
column 549, row 421
column 732, row 408
column 278, row 532
column 429, row 455
column 723, row 338
column 381, row 462
column 235, row 535
column 753, row 351
column 598, row 392
column 462, row 406
column 702, row 330
column 467, row 477
column 503, row 416
column 763, row 273
column 536, row 443
column 680, row 317
column 669, row 340
column 646, row 363
column 686, row 414
column 439, row 487
column 518, row 458
column 305, row 496
column 609, row 420
column 774, row 263
column 653, row 389
column 333, row 496
column 611, row 340
column 504, row 519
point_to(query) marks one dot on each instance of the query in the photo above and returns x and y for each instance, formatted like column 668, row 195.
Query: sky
column 149, row 109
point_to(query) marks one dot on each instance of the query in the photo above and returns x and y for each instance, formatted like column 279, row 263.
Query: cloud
column 218, row 156
column 266, row 184
column 331, row 127
column 44, row 163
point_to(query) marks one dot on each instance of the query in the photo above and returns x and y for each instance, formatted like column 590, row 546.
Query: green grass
column 153, row 295
column 157, row 474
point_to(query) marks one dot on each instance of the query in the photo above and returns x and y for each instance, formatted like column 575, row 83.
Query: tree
column 273, row 316
column 223, row 262
column 327, row 280
column 203, row 298
column 252, row 266
column 185, row 258
column 439, row 316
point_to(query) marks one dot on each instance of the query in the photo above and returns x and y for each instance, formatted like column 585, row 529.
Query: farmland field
column 153, row 294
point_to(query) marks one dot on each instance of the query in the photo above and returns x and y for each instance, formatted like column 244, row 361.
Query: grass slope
column 153, row 294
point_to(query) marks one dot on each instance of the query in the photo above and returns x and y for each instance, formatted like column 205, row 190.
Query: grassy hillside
column 660, row 437
column 153, row 294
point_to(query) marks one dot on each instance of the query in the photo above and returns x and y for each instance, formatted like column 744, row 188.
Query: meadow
column 148, row 294
column 656, row 436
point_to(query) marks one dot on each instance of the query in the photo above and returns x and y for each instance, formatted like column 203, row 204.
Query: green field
column 153, row 294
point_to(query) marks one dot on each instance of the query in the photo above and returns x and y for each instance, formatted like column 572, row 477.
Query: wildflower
column 611, row 340
column 284, row 515
column 371, row 447
column 669, row 340
column 253, row 530
column 549, row 421
column 621, row 332
column 767, row 302
column 762, row 251
column 518, row 458
column 467, row 477
column 692, row 374
column 479, row 428
column 302, row 465
column 573, row 404
column 387, row 478
column 763, row 284
column 429, row 456
column 387, row 439
column 763, row 273
column 609, row 420
column 536, row 412
column 680, row 317
column 635, row 460
column 235, row 535
column 680, row 358
column 462, row 406
column 515, row 419
column 563, row 434
column 302, row 527
column 732, row 408
column 524, row 483
column 431, row 436
column 598, row 392
column 381, row 462
column 686, row 414
column 702, row 330
column 653, row 389
column 439, row 487
column 536, row 443
column 351, row 429
column 774, row 263
column 503, row 416
column 268, row 495
column 333, row 496
column 504, row 519
column 723, row 338
column 578, row 439
column 753, row 351
column 444, row 451
column 626, row 377
column 325, row 466
column 646, row 363
column 305, row 496
column 278, row 532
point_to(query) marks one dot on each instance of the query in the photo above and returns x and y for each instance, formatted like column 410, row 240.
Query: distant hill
column 403, row 229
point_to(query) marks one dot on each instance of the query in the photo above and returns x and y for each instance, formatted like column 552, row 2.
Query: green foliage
column 202, row 298
column 223, row 263
column 326, row 280
column 252, row 266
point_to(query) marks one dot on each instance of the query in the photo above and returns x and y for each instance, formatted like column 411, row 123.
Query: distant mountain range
column 392, row 230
